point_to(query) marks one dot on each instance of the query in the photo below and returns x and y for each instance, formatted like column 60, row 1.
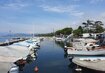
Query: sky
column 44, row 16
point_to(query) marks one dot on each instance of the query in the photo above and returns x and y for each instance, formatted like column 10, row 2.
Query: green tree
column 99, row 29
column 87, row 26
column 93, row 26
column 98, row 26
column 65, row 31
column 78, row 32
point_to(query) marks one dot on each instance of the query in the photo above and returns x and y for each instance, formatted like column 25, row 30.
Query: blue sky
column 42, row 16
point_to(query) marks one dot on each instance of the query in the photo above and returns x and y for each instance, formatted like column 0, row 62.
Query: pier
column 5, row 66
column 12, row 41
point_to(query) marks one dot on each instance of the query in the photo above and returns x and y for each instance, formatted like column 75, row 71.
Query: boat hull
column 96, row 52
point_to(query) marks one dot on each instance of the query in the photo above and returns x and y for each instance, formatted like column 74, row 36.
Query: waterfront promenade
column 5, row 66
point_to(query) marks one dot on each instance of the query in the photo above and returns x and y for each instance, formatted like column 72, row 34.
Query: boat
column 85, row 47
column 94, row 63
column 78, row 68
column 14, row 69
column 29, row 43
column 95, row 52
column 59, row 39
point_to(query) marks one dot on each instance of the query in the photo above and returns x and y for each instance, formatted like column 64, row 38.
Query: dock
column 9, row 55
column 5, row 66
column 98, row 65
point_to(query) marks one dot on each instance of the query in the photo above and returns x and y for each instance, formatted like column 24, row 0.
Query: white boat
column 83, row 52
column 59, row 39
column 85, row 47
column 29, row 43
column 95, row 63
column 14, row 69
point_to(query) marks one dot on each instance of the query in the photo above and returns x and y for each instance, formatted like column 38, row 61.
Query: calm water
column 51, row 59
column 4, row 39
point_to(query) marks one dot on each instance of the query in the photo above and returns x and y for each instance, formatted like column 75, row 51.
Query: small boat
column 85, row 47
column 29, row 43
column 78, row 68
column 84, row 52
column 59, row 39
column 94, row 63
column 14, row 69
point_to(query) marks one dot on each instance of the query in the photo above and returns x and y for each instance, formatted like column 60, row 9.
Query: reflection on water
column 52, row 58
column 72, row 65
column 61, row 44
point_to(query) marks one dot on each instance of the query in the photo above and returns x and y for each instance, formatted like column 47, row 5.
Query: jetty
column 16, row 54
column 97, row 64
column 5, row 66
column 12, row 41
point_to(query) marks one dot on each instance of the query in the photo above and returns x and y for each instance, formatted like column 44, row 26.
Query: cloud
column 14, row 4
column 71, row 9
column 103, row 14
column 95, row 1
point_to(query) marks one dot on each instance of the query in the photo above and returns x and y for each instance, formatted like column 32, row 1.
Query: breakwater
column 9, row 42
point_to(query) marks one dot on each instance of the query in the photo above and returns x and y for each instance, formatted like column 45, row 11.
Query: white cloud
column 95, row 1
column 71, row 9
column 103, row 14
column 14, row 4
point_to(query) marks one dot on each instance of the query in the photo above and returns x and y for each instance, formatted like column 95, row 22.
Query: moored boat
column 94, row 63
column 85, row 47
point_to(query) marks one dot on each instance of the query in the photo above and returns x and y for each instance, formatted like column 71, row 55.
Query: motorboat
column 94, row 63
column 85, row 47
column 59, row 39
column 14, row 69
column 29, row 43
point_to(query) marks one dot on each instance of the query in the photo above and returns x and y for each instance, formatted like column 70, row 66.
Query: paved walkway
column 5, row 66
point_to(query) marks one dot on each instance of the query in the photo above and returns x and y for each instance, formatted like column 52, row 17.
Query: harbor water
column 2, row 39
column 51, row 59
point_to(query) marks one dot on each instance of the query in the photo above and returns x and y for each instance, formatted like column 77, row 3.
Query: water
column 2, row 39
column 10, row 36
column 51, row 59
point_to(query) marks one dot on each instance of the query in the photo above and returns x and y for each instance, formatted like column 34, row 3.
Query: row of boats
column 29, row 55
column 86, row 52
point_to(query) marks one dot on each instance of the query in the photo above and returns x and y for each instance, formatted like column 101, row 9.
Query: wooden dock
column 98, row 65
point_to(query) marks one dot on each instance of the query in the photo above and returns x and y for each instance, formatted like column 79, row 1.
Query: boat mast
column 33, row 31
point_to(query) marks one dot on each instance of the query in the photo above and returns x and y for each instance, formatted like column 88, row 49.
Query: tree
column 98, row 27
column 78, row 32
column 87, row 25
column 65, row 31
column 93, row 26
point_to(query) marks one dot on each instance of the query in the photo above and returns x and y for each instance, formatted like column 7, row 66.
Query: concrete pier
column 12, row 41
column 98, row 65
column 10, row 54
column 5, row 66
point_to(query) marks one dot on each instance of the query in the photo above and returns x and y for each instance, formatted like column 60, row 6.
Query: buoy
column 36, row 69
column 78, row 68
